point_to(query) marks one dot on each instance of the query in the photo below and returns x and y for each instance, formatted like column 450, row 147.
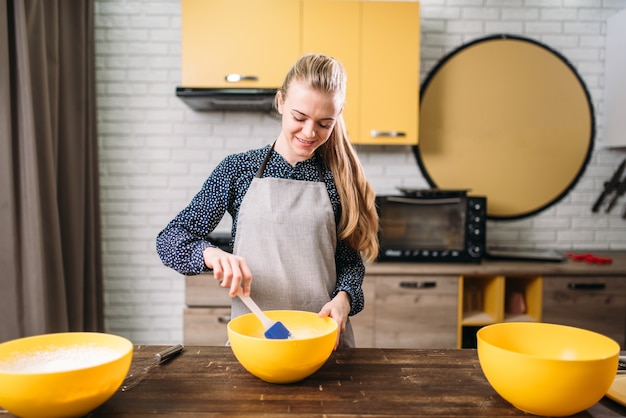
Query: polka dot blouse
column 181, row 243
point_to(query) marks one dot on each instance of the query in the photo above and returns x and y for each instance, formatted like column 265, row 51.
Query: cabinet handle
column 224, row 319
column 586, row 286
column 235, row 78
column 378, row 134
column 418, row 285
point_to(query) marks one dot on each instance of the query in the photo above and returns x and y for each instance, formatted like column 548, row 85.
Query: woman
column 303, row 212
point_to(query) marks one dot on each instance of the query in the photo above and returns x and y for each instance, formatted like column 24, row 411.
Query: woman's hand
column 338, row 309
column 230, row 270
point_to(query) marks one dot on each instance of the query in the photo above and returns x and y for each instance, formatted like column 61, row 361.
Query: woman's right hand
column 230, row 270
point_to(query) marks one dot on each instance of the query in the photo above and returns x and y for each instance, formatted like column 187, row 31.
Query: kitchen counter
column 425, row 305
column 208, row 381
column 546, row 269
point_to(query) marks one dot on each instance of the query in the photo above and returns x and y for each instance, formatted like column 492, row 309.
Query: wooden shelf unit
column 490, row 299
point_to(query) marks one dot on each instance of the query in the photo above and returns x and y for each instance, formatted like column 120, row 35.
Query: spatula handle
column 255, row 309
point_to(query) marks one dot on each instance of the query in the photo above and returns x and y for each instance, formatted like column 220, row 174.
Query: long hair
column 358, row 224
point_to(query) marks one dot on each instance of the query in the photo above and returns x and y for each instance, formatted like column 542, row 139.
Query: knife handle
column 612, row 202
column 599, row 201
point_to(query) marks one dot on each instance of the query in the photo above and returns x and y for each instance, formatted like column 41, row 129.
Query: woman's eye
column 322, row 125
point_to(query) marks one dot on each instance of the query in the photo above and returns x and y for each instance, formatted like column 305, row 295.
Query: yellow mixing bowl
column 61, row 375
column 283, row 361
column 547, row 369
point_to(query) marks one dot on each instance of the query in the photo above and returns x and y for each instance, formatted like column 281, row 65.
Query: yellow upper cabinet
column 390, row 42
column 333, row 27
column 258, row 40
column 378, row 44
column 252, row 43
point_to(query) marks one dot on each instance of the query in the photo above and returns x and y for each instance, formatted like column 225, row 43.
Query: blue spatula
column 274, row 330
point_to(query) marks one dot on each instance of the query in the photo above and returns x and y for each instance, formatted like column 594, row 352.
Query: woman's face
column 308, row 118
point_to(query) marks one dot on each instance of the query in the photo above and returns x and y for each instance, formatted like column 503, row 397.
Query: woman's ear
column 279, row 101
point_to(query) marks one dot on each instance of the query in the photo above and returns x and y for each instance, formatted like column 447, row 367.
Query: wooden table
column 208, row 381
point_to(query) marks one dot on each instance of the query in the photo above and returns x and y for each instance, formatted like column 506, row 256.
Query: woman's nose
column 309, row 129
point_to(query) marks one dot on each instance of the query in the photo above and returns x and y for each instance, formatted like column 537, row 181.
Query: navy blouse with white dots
column 181, row 243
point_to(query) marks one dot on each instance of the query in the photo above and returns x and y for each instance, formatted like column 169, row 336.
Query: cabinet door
column 205, row 326
column 333, row 28
column 389, row 73
column 247, row 37
column 416, row 311
column 596, row 304
column 203, row 291
column 207, row 311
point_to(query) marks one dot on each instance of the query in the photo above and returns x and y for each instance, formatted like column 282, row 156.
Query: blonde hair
column 358, row 224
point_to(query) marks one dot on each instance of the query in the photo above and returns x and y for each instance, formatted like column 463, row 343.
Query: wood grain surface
column 208, row 381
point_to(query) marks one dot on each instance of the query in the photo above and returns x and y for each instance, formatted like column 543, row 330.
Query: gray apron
column 286, row 232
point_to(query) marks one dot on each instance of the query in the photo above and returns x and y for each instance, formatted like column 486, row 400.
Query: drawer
column 596, row 304
column 203, row 291
column 585, row 284
column 416, row 312
column 408, row 287
column 205, row 326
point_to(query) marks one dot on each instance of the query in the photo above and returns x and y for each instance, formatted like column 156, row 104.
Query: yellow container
column 547, row 369
column 283, row 361
column 63, row 374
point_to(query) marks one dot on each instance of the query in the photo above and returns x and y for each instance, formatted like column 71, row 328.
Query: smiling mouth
column 304, row 142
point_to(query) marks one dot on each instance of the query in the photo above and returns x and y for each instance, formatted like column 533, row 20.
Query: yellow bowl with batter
column 63, row 374
column 283, row 361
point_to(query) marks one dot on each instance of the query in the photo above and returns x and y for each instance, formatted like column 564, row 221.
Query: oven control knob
column 474, row 230
column 475, row 250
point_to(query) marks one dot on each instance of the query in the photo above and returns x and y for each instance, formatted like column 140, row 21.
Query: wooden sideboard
column 441, row 305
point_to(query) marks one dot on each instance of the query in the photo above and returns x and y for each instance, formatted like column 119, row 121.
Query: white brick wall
column 155, row 152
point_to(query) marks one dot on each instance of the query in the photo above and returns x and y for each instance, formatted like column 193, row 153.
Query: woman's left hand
column 338, row 309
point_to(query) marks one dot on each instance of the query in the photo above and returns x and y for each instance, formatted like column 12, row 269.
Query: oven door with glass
column 418, row 228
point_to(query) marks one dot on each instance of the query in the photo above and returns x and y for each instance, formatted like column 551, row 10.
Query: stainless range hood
column 236, row 99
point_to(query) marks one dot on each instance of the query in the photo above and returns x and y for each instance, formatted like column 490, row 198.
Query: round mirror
column 507, row 118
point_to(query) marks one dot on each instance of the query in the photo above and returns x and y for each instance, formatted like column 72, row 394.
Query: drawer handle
column 418, row 285
column 236, row 78
column 586, row 286
column 223, row 319
column 393, row 134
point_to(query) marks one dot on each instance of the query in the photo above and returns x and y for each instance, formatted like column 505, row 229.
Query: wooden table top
column 208, row 381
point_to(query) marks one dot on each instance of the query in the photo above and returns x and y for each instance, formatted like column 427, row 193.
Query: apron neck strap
column 259, row 172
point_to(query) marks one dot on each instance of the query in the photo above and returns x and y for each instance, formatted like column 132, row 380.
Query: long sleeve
column 181, row 243
column 350, row 274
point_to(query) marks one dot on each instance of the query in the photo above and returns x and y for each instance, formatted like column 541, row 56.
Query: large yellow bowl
column 547, row 369
column 61, row 375
column 283, row 361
